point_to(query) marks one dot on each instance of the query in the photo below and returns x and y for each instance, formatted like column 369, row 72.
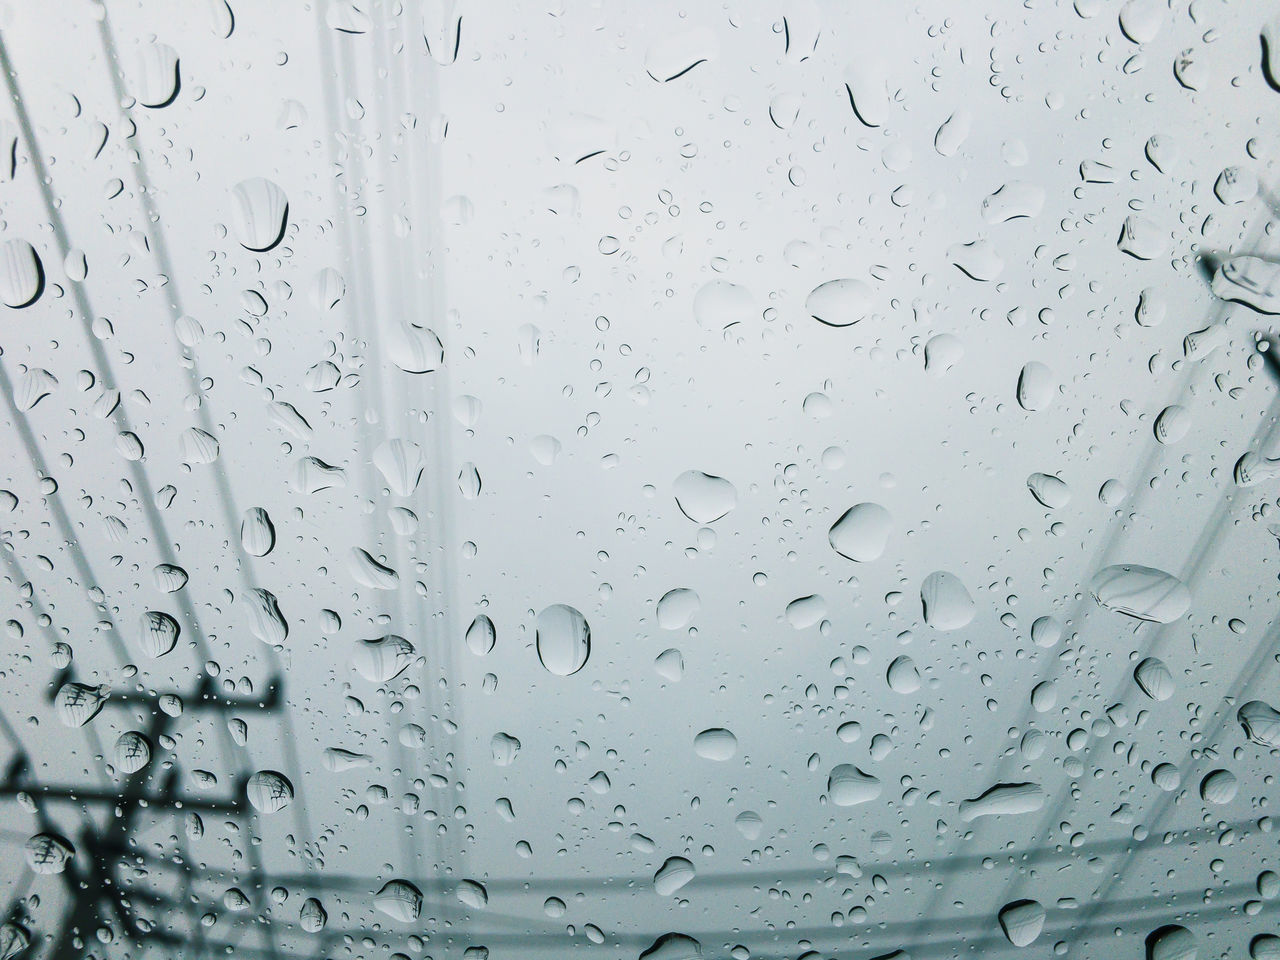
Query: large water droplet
column 1004, row 799
column 947, row 604
column 862, row 532
column 902, row 675
column 259, row 213
column 21, row 274
column 1035, row 386
column 1251, row 281
column 481, row 635
column 266, row 622
column 703, row 497
column 400, row 900
column 401, row 464
column 677, row 608
column 1022, row 921
column 716, row 743
column 269, row 791
column 257, row 532
column 1141, row 592
column 677, row 54
column 48, row 853
column 1171, row 942
column 839, row 303
column 159, row 79
column 157, row 633
column 1260, row 722
column 472, row 893
column 672, row 875
column 563, row 639
column 132, row 752
column 383, row 658
column 1154, row 679
column 848, row 786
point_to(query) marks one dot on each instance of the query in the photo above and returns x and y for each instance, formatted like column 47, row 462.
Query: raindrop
column 78, row 703
column 257, row 534
column 672, row 875
column 132, row 752
column 415, row 349
column 1003, row 799
column 269, row 791
column 1141, row 592
column 1260, row 722
column 848, row 786
column 563, row 639
column 384, row 658
column 312, row 917
column 1219, row 787
column 716, row 743
column 678, row 53
column 197, row 447
column 1050, row 491
column 1154, row 679
column 902, row 675
column 259, row 213
column 266, row 622
column 1035, row 386
column 1251, row 281
column 804, row 612
column 1022, row 921
column 471, row 893
column 481, row 635
column 48, row 853
column 159, row 79
column 1171, row 942
column 677, row 608
column 703, row 497
column 862, row 532
column 839, row 303
column 21, row 274
column 400, row 900
column 368, row 572
column 168, row 577
column 157, row 633
column 401, row 464
column 947, row 604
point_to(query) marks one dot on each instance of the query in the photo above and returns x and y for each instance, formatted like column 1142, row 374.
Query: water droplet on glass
column 383, row 658
column 1004, row 799
column 947, row 604
column 677, row 608
column 716, row 743
column 259, row 213
column 703, row 497
column 132, row 752
column 839, row 303
column 257, row 533
column 563, row 639
column 21, row 274
column 1154, row 679
column 400, row 900
column 1141, row 592
column 159, row 79
column 1260, row 722
column 481, row 636
column 1022, row 921
column 48, row 853
column 902, row 675
column 269, row 791
column 672, row 875
column 848, row 786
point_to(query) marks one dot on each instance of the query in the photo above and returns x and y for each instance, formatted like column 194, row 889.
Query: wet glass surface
column 731, row 480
